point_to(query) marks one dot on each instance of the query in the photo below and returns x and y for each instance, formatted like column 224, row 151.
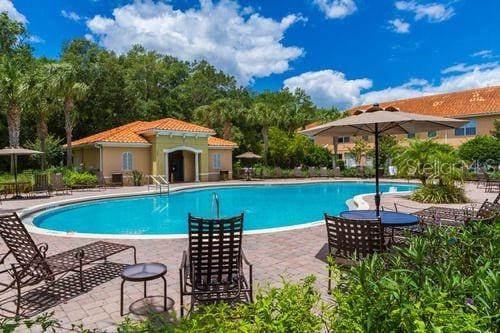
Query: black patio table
column 388, row 219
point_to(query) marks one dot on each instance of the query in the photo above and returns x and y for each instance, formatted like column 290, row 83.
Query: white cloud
column 486, row 54
column 399, row 26
column 336, row 9
column 244, row 44
column 433, row 12
column 463, row 67
column 35, row 39
column 71, row 15
column 8, row 6
column 89, row 37
column 328, row 87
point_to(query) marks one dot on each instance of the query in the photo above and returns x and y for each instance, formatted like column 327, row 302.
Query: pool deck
column 293, row 254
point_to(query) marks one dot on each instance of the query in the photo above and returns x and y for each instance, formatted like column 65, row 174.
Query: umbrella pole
column 15, row 177
column 377, row 186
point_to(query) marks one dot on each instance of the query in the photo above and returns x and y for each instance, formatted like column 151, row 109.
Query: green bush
column 286, row 309
column 435, row 193
column 75, row 178
column 445, row 280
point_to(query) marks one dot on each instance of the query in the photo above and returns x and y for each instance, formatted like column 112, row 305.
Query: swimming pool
column 264, row 206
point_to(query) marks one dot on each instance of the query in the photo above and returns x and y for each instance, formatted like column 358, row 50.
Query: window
column 467, row 129
column 216, row 161
column 431, row 134
column 127, row 161
column 343, row 139
column 365, row 137
column 410, row 135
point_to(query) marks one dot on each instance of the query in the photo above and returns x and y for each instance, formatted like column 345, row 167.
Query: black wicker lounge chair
column 212, row 269
column 487, row 212
column 350, row 239
column 33, row 266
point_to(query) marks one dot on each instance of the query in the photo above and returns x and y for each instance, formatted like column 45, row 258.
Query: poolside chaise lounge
column 41, row 184
column 487, row 212
column 33, row 266
column 212, row 269
column 348, row 239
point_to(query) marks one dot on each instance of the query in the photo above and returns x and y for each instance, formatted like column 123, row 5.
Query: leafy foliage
column 445, row 280
column 435, row 193
column 482, row 149
column 77, row 178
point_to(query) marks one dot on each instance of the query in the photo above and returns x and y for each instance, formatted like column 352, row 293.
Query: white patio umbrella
column 376, row 121
column 11, row 151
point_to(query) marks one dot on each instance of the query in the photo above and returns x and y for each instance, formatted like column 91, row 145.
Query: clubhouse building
column 179, row 150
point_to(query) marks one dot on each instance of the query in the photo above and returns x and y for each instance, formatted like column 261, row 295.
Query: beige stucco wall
column 189, row 172
column 112, row 160
column 168, row 142
column 88, row 157
column 484, row 126
column 226, row 163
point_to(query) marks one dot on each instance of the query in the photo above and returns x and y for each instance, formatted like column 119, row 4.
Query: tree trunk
column 14, row 125
column 43, row 133
column 265, row 138
column 226, row 132
column 68, row 126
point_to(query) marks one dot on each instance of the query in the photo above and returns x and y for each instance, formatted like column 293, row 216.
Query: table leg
column 121, row 298
column 164, row 293
column 145, row 293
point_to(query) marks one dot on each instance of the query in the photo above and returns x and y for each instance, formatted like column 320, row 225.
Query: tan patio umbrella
column 376, row 121
column 249, row 155
column 11, row 151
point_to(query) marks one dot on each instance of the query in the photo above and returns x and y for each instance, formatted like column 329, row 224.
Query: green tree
column 387, row 148
column 220, row 113
column 41, row 103
column 63, row 79
column 496, row 129
column 359, row 149
column 417, row 160
column 481, row 149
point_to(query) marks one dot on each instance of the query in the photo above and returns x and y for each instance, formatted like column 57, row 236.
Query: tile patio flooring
column 289, row 253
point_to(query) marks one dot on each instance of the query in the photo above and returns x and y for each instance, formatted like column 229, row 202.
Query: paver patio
column 292, row 254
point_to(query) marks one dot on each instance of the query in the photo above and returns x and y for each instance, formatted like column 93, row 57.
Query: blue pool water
column 265, row 206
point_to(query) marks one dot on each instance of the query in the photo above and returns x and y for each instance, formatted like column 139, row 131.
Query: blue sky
column 342, row 52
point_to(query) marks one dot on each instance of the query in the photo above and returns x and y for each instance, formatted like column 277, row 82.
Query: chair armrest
column 2, row 259
column 183, row 261
column 245, row 260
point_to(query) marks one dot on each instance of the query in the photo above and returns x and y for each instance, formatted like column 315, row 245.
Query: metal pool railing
column 159, row 182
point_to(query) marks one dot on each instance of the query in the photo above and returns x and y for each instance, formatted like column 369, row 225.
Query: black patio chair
column 212, row 269
column 32, row 265
column 41, row 185
column 353, row 239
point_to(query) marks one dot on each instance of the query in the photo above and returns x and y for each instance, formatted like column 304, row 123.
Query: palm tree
column 63, row 79
column 222, row 111
column 41, row 103
column 264, row 115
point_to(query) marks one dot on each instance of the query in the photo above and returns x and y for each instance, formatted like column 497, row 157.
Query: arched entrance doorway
column 182, row 164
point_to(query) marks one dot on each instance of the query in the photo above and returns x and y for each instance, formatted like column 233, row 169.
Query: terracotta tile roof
column 171, row 124
column 122, row 134
column 213, row 141
column 456, row 104
column 130, row 133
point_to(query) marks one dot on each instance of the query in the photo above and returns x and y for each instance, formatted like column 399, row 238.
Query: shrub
column 481, row 149
column 75, row 178
column 445, row 280
column 137, row 176
column 435, row 193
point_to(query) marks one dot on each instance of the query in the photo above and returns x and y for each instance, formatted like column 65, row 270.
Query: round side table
column 142, row 273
